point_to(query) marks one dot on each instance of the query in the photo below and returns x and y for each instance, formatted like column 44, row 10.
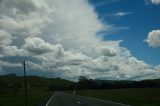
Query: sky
column 139, row 18
column 98, row 39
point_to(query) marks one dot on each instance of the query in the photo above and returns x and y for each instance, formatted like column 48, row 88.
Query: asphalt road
column 63, row 99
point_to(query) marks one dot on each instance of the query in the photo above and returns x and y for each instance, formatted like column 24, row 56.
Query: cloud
column 2, row 72
column 7, row 51
column 155, row 1
column 8, row 64
column 153, row 39
column 65, row 41
column 107, row 51
column 37, row 46
column 23, row 17
column 122, row 13
column 5, row 38
column 104, row 2
column 74, row 27
column 118, row 14
column 6, row 47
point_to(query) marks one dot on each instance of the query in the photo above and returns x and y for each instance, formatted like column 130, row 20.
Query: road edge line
column 50, row 99
column 103, row 100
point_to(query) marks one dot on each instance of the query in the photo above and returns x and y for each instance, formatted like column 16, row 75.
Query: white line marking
column 103, row 100
column 50, row 99
column 78, row 102
column 87, row 98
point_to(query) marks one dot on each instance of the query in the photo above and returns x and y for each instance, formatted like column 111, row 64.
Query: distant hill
column 85, row 83
column 36, row 81
column 128, row 83
column 62, row 84
column 10, row 75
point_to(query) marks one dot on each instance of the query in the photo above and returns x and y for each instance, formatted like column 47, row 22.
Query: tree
column 85, row 83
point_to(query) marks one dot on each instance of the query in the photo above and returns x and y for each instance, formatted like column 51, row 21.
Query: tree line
column 15, row 83
column 85, row 83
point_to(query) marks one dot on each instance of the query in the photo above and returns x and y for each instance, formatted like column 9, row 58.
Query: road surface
column 63, row 99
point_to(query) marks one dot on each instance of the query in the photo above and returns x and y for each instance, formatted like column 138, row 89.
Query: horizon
column 76, row 79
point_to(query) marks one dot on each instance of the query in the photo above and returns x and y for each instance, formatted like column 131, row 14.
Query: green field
column 133, row 96
column 40, row 90
column 36, row 97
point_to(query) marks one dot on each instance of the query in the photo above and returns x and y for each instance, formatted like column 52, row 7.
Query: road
column 63, row 99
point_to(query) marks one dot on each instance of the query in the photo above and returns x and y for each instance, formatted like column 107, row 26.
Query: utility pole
column 25, row 83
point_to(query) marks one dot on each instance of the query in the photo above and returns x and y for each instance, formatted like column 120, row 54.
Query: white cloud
column 118, row 14
column 107, row 51
column 153, row 39
column 64, row 38
column 123, row 13
column 33, row 66
column 8, row 64
column 103, row 3
column 5, row 38
column 72, row 26
column 6, row 48
column 7, row 51
column 36, row 45
column 25, row 17
column 155, row 1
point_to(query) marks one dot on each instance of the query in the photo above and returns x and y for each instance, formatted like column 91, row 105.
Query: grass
column 36, row 97
column 132, row 96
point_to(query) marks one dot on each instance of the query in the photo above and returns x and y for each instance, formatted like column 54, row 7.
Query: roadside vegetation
column 131, row 96
column 40, row 89
column 36, row 97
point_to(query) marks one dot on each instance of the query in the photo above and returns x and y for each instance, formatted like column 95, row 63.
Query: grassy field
column 36, row 97
column 133, row 96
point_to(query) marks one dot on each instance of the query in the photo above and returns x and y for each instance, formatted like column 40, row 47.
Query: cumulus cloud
column 155, row 1
column 23, row 17
column 5, row 38
column 64, row 40
column 108, row 51
column 37, row 46
column 6, row 64
column 7, row 51
column 153, row 39
column 74, row 27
